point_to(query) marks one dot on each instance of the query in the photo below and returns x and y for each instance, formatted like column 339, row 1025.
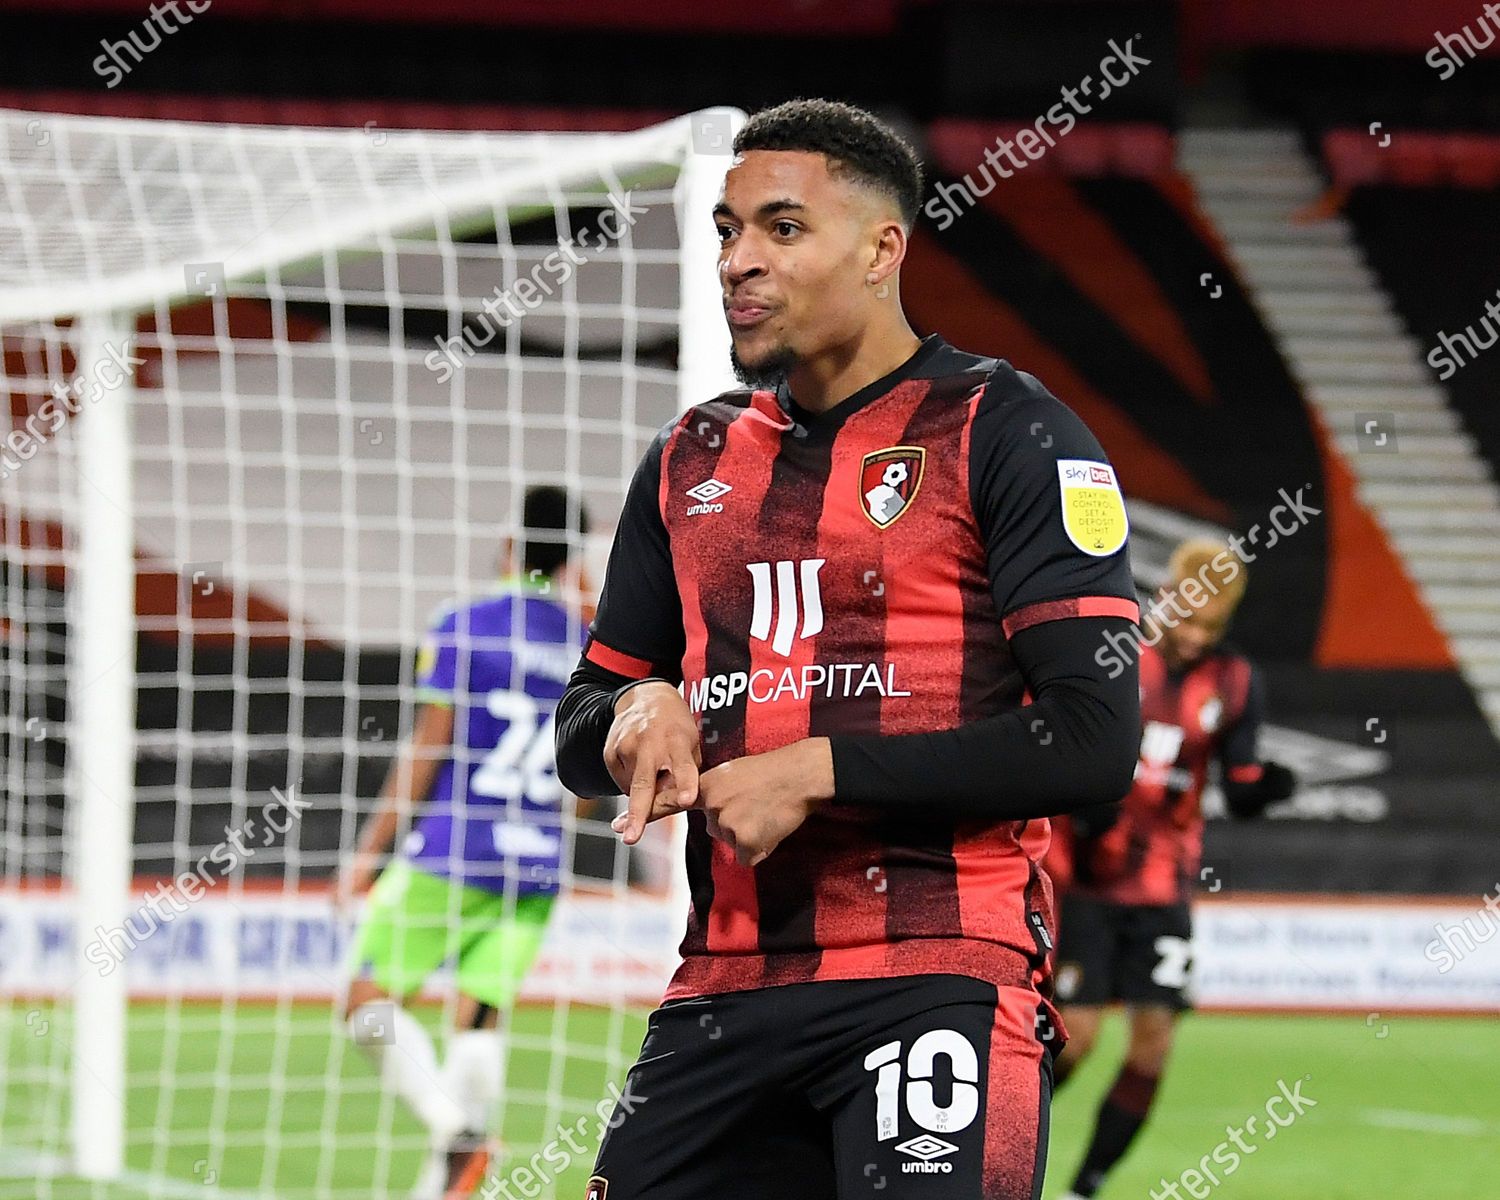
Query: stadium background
column 1234, row 270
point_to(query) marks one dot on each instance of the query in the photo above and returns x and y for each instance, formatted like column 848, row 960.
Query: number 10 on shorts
column 921, row 1100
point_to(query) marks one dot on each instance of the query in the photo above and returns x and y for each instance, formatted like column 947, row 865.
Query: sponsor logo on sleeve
column 1093, row 511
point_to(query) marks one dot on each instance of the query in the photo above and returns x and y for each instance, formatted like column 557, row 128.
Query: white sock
column 474, row 1074
column 402, row 1052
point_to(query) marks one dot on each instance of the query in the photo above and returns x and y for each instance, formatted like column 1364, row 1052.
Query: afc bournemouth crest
column 1211, row 714
column 888, row 482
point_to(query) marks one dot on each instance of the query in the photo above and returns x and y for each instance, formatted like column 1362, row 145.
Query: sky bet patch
column 1093, row 510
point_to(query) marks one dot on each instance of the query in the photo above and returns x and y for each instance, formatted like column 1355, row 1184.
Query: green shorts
column 415, row 922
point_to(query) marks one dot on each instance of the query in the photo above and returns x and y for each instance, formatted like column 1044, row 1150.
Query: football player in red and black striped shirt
column 830, row 596
column 1128, row 872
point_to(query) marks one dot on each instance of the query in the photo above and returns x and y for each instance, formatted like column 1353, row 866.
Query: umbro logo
column 926, row 1147
column 927, row 1150
column 706, row 493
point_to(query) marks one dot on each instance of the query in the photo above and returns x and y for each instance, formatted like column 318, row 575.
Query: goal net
column 275, row 397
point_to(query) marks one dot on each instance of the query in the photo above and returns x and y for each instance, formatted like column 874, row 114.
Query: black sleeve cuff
column 620, row 691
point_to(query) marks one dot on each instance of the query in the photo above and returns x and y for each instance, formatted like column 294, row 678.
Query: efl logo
column 706, row 493
column 785, row 602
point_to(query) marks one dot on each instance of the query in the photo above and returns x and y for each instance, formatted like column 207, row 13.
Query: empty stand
column 1365, row 374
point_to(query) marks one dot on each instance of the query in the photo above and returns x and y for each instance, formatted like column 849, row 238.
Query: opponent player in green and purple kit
column 478, row 874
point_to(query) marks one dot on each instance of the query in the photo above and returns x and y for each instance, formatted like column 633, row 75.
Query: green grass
column 1412, row 1113
column 302, row 1115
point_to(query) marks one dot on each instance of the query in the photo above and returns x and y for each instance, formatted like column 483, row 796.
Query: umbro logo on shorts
column 926, row 1149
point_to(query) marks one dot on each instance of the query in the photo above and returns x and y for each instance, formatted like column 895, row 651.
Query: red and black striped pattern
column 1152, row 853
column 910, row 641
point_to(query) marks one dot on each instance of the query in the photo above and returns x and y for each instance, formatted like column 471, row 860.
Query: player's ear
column 887, row 252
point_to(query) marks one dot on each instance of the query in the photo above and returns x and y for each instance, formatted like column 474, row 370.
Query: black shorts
column 1138, row 953
column 933, row 1087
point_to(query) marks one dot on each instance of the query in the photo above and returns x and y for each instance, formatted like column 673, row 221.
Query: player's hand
column 1248, row 800
column 1278, row 782
column 653, row 755
column 754, row 803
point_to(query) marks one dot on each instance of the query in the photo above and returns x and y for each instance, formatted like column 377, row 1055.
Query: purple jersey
column 494, row 816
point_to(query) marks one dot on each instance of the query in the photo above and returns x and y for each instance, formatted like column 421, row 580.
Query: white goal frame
column 102, row 301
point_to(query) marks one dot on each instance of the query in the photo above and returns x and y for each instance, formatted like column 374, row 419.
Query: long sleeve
column 636, row 633
column 1073, row 747
column 1250, row 784
column 1054, row 528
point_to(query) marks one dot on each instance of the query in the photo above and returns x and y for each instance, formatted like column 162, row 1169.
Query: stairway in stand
column 1419, row 472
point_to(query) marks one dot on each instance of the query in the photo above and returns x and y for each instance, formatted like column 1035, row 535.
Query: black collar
column 834, row 417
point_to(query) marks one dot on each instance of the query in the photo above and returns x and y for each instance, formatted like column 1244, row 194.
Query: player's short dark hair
column 546, row 533
column 857, row 143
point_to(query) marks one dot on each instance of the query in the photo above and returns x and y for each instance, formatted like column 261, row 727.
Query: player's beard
column 768, row 372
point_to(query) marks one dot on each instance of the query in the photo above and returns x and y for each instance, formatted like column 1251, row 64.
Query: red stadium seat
column 1413, row 158
column 1132, row 150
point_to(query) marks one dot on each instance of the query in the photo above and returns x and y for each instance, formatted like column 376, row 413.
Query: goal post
column 101, row 744
column 276, row 394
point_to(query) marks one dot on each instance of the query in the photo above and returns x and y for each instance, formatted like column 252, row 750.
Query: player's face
column 795, row 246
column 1196, row 634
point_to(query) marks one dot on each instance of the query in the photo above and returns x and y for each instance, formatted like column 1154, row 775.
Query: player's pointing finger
column 642, row 792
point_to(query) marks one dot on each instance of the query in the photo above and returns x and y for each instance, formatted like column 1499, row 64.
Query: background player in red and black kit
column 1128, row 872
column 828, row 595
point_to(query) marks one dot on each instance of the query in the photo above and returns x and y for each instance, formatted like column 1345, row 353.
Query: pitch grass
column 1405, row 1106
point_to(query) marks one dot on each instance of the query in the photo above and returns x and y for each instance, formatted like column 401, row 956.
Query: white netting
column 330, row 435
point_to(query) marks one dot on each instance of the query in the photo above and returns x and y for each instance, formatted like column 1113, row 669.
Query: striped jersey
column 860, row 571
column 1152, row 853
